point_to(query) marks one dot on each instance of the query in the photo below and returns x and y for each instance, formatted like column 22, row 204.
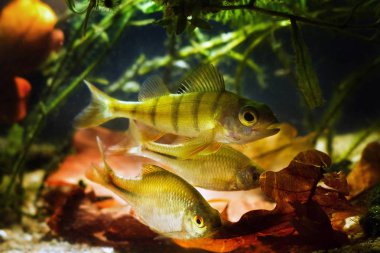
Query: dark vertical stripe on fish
column 153, row 111
column 175, row 109
column 134, row 110
column 216, row 103
column 197, row 103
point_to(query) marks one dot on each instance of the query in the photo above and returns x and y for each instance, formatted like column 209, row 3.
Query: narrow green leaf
column 99, row 80
column 71, row 5
column 14, row 139
column 307, row 80
column 149, row 7
column 164, row 22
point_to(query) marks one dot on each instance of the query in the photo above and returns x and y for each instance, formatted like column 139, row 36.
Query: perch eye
column 199, row 221
column 248, row 116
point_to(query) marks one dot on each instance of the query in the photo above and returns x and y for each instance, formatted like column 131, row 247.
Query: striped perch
column 201, row 107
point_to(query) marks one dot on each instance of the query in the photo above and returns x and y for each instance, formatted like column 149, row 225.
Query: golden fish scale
column 155, row 189
column 207, row 171
column 159, row 199
column 182, row 114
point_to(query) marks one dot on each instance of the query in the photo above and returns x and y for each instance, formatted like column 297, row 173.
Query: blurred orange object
column 14, row 92
column 27, row 36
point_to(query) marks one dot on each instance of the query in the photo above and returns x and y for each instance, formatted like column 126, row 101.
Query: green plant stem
column 172, row 52
column 290, row 16
column 240, row 68
column 341, row 93
column 45, row 111
column 359, row 139
column 338, row 27
column 62, row 64
column 218, row 47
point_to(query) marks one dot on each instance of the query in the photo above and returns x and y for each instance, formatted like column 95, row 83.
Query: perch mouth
column 268, row 130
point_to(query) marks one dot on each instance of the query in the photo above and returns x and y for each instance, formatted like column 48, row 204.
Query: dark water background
column 334, row 55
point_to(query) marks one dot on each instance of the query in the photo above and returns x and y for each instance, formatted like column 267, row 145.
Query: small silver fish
column 164, row 201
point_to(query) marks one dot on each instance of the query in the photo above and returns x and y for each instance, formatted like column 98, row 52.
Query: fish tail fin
column 105, row 176
column 98, row 111
column 96, row 175
column 101, row 175
column 131, row 143
column 137, row 135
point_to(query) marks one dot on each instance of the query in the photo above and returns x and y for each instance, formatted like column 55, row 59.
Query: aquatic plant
column 60, row 83
column 226, row 33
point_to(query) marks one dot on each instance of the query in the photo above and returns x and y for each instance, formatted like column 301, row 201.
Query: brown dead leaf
column 78, row 218
column 366, row 173
column 295, row 182
column 275, row 152
column 335, row 181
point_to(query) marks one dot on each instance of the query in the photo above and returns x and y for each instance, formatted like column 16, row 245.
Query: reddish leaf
column 335, row 181
column 78, row 218
column 366, row 173
column 248, row 243
column 295, row 182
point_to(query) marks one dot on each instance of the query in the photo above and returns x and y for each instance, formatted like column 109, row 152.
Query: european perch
column 201, row 109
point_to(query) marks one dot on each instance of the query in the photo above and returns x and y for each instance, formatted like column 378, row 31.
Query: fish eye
column 248, row 116
column 199, row 221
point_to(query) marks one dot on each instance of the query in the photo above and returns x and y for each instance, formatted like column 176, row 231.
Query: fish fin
column 143, row 133
column 211, row 148
column 123, row 146
column 100, row 175
column 110, row 179
column 95, row 174
column 205, row 149
column 98, row 111
column 150, row 168
column 203, row 144
column 135, row 137
column 218, row 200
column 224, row 213
column 153, row 87
column 206, row 78
column 173, row 234
column 161, row 238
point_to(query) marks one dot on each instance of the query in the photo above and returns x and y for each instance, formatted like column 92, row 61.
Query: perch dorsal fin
column 150, row 168
column 153, row 87
column 206, row 78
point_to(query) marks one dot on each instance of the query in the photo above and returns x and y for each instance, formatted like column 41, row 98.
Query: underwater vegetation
column 204, row 163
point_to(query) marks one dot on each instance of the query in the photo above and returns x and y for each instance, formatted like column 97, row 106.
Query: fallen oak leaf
column 297, row 181
column 250, row 242
column 78, row 218
column 314, row 226
column 335, row 182
column 366, row 172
